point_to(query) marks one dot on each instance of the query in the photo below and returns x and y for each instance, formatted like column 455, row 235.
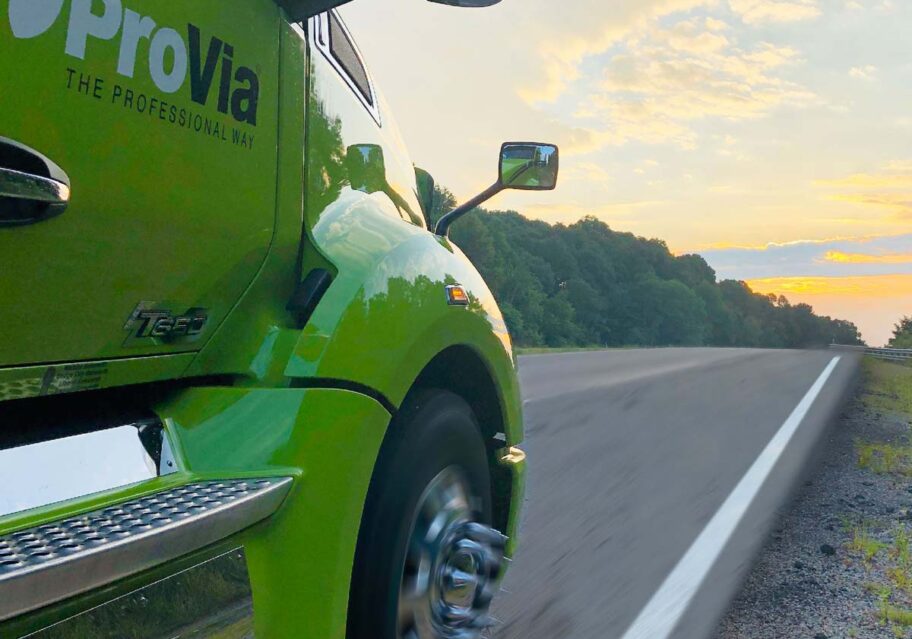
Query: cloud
column 494, row 74
column 839, row 257
column 663, row 79
column 901, row 204
column 863, row 258
column 697, row 36
column 712, row 24
column 763, row 11
column 870, row 181
column 867, row 72
column 589, row 30
column 588, row 172
column 851, row 286
column 890, row 188
column 645, row 166
column 724, row 246
column 485, row 77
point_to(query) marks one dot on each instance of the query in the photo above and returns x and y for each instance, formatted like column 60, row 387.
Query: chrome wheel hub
column 452, row 565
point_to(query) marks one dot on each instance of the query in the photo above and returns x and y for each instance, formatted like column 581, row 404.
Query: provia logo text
column 238, row 89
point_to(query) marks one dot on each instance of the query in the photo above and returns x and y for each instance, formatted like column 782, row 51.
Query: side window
column 344, row 52
column 335, row 43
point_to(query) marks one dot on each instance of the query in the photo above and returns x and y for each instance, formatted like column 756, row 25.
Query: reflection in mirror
column 529, row 166
column 366, row 168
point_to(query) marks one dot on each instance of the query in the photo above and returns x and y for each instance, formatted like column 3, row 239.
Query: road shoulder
column 838, row 562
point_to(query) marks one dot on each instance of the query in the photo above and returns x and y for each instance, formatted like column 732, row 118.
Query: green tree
column 584, row 284
column 902, row 334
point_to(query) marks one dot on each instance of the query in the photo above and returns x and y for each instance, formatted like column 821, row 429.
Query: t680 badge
column 149, row 322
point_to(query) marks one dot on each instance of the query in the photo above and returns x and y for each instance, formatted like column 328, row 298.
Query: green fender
column 386, row 320
column 300, row 560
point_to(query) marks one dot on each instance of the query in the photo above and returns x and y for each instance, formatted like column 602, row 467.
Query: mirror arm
column 444, row 223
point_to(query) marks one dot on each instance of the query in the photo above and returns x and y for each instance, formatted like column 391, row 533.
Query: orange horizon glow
column 874, row 303
column 863, row 258
column 854, row 286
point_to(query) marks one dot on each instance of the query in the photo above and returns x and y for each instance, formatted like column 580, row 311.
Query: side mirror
column 299, row 10
column 467, row 3
column 528, row 166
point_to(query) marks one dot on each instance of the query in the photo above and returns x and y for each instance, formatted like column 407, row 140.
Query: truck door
column 137, row 172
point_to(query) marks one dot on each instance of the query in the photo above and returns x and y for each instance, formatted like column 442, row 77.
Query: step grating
column 50, row 562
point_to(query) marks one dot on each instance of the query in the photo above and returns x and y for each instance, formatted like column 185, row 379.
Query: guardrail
column 894, row 354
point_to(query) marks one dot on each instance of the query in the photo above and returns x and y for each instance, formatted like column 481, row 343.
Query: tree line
column 902, row 334
column 584, row 284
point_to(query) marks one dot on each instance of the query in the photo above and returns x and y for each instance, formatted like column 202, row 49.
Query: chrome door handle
column 25, row 186
column 32, row 188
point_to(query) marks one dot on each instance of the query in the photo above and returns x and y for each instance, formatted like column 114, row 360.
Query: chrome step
column 57, row 469
column 48, row 563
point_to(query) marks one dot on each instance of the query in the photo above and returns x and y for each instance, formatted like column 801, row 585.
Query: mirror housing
column 527, row 166
column 300, row 10
column 467, row 3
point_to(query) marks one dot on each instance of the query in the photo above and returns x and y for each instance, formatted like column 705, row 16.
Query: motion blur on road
column 632, row 454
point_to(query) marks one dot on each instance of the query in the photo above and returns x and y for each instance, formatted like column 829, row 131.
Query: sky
column 773, row 137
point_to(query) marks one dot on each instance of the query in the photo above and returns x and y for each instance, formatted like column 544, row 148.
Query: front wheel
column 427, row 562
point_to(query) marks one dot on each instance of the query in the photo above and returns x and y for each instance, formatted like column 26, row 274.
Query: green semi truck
column 246, row 388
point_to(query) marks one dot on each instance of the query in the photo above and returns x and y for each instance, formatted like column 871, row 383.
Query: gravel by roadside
column 838, row 563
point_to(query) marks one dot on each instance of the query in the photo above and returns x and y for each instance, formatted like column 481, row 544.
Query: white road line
column 661, row 615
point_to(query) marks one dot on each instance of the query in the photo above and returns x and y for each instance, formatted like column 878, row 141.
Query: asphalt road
column 633, row 457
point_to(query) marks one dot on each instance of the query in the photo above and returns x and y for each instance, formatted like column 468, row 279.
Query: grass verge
column 865, row 545
column 887, row 388
column 885, row 458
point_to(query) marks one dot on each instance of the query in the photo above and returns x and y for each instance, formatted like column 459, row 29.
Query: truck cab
column 245, row 388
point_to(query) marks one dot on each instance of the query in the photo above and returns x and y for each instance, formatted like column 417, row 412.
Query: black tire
column 434, row 431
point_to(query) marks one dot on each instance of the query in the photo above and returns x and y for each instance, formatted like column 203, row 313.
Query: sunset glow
column 861, row 258
column 871, row 302
column 781, row 126
column 872, row 286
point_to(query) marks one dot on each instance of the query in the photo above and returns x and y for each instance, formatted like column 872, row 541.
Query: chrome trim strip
column 52, row 562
